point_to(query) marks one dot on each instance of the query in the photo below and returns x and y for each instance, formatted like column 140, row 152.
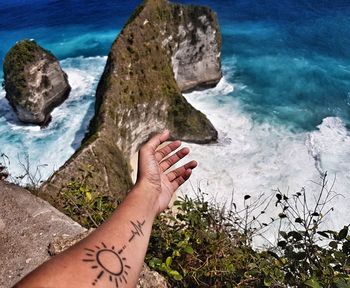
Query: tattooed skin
column 109, row 262
column 137, row 229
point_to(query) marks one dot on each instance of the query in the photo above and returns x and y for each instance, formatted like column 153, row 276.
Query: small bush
column 199, row 244
column 196, row 247
column 202, row 245
column 85, row 206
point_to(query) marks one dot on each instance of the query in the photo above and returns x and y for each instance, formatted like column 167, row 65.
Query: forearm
column 112, row 256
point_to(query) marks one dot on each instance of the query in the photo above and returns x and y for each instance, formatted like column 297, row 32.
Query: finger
column 156, row 140
column 181, row 170
column 170, row 161
column 165, row 151
column 182, row 179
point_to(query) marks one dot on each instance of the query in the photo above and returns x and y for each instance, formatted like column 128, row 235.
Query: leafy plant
column 195, row 248
column 85, row 206
column 200, row 244
column 314, row 258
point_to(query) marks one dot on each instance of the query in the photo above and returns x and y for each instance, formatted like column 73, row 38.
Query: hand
column 153, row 168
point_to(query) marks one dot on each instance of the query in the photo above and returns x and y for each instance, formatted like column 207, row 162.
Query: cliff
column 162, row 51
column 34, row 82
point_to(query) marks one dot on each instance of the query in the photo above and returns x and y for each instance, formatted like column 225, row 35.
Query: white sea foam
column 252, row 158
column 53, row 145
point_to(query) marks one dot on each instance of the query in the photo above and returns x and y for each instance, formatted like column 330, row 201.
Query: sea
column 282, row 108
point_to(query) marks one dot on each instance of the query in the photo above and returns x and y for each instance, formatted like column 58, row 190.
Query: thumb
column 158, row 139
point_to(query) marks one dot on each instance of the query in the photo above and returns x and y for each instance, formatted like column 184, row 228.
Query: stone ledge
column 28, row 225
column 31, row 230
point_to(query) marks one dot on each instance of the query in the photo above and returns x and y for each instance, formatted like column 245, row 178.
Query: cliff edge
column 163, row 50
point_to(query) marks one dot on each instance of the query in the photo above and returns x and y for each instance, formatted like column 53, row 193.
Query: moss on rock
column 136, row 96
column 34, row 82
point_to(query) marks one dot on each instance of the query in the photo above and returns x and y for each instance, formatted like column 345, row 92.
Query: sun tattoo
column 109, row 262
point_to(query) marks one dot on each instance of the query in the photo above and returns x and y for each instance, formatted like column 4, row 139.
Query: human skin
column 113, row 255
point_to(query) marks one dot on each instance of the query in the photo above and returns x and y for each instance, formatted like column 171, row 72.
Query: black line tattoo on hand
column 137, row 229
column 110, row 262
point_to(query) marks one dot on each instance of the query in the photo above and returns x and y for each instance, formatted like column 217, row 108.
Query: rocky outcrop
column 34, row 82
column 27, row 226
column 31, row 231
column 140, row 93
column 195, row 48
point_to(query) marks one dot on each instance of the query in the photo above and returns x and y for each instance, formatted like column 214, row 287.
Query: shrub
column 202, row 245
column 197, row 247
column 85, row 206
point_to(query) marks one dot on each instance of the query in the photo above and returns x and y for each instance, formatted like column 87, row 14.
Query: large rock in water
column 140, row 93
column 34, row 82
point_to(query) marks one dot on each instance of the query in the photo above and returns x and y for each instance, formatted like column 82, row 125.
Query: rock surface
column 195, row 48
column 27, row 226
column 31, row 231
column 138, row 94
column 34, row 82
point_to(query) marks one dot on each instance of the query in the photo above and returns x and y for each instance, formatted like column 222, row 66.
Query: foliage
column 17, row 58
column 86, row 206
column 195, row 248
column 203, row 245
column 314, row 257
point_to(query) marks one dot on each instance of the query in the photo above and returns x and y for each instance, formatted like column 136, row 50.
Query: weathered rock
column 151, row 279
column 138, row 94
column 34, row 82
column 195, row 48
column 27, row 226
column 31, row 231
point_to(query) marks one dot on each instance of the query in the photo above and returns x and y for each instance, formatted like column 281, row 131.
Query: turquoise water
column 282, row 109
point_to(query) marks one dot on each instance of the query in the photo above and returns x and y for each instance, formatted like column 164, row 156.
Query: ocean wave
column 254, row 158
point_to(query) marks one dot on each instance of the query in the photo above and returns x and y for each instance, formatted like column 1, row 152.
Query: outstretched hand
column 154, row 165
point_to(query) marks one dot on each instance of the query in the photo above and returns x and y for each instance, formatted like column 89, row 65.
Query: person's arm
column 113, row 255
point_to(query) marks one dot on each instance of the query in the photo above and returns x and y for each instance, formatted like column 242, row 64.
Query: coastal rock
column 27, row 226
column 31, row 231
column 138, row 94
column 195, row 48
column 34, row 82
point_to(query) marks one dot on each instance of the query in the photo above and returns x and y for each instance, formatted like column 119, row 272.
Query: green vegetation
column 20, row 55
column 85, row 206
column 136, row 12
column 193, row 121
column 17, row 58
column 207, row 246
column 199, row 244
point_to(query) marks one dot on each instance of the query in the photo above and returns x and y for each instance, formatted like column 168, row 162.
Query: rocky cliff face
column 162, row 50
column 34, row 82
column 195, row 48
